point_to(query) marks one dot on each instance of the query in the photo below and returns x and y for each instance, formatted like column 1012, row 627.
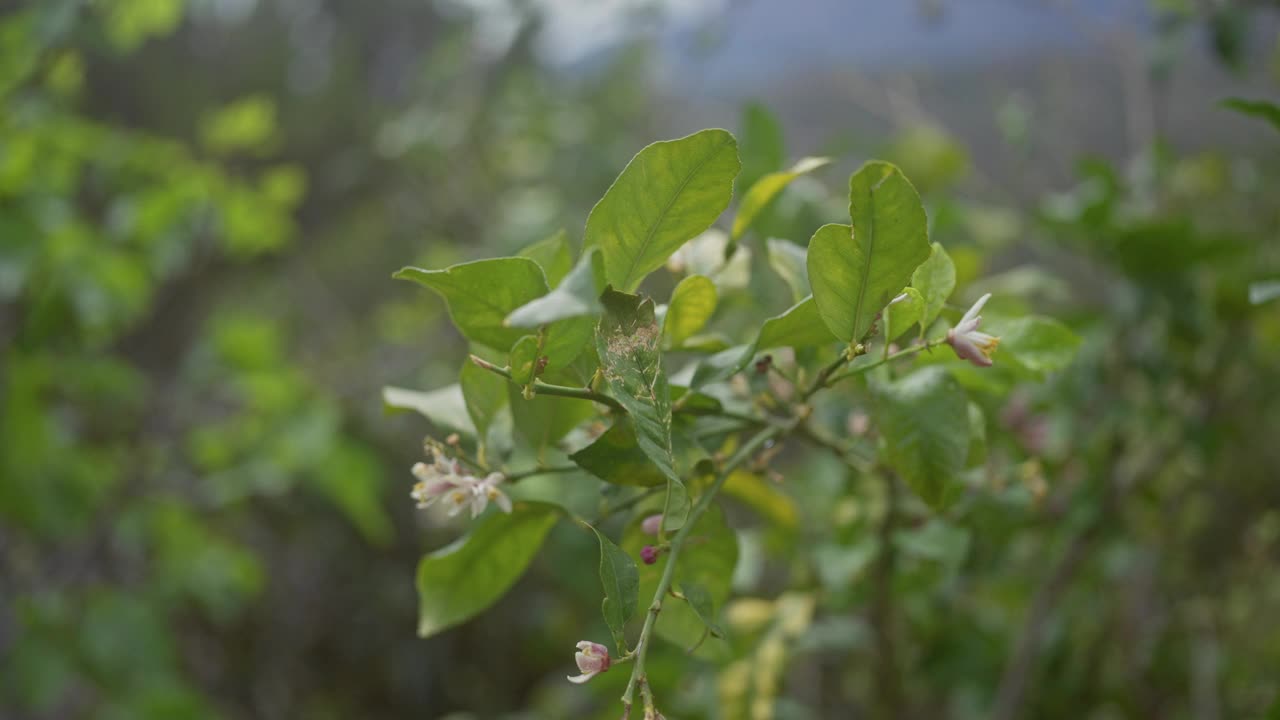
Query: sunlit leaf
column 693, row 302
column 481, row 294
column 765, row 189
column 667, row 194
column 936, row 280
column 855, row 271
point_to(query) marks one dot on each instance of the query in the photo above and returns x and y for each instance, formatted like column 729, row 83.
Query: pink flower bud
column 651, row 525
column 592, row 659
column 649, row 554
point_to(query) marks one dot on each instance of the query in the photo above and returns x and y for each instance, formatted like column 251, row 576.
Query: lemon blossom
column 592, row 659
column 969, row 344
column 443, row 481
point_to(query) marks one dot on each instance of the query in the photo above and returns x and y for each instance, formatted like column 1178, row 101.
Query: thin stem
column 888, row 358
column 516, row 476
column 824, row 375
column 542, row 388
column 757, row 441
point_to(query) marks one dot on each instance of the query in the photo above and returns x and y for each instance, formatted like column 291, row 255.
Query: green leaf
column 484, row 394
column 1036, row 343
column 553, row 255
column 444, row 407
column 621, row 582
column 855, row 271
column 765, row 189
column 800, row 326
column 924, row 418
column 788, row 260
column 566, row 340
column 762, row 143
column 524, row 360
column 708, row 558
column 575, row 296
column 627, row 343
column 936, row 280
column 667, row 194
column 1268, row 111
column 458, row 582
column 481, row 294
column 902, row 314
column 615, row 457
column 693, row 302
column 700, row 602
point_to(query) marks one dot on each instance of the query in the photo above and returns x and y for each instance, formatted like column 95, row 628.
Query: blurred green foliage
column 203, row 511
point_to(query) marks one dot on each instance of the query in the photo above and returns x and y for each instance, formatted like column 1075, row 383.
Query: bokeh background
column 204, row 507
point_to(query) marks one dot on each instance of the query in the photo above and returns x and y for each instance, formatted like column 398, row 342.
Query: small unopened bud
column 452, row 440
column 651, row 525
column 649, row 554
column 592, row 659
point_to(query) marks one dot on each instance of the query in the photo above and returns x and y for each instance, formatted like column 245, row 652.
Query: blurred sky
column 762, row 38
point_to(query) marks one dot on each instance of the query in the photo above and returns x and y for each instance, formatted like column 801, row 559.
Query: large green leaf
column 445, row 407
column 458, row 582
column 627, row 341
column 481, row 294
column 667, row 194
column 616, row 458
column 765, row 189
column 800, row 326
column 693, row 302
column 575, row 296
column 856, row 270
column 788, row 260
column 924, row 418
column 1037, row 343
column 553, row 255
column 621, row 583
column 936, row 280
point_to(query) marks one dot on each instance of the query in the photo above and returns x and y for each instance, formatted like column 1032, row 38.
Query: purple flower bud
column 649, row 554
column 651, row 525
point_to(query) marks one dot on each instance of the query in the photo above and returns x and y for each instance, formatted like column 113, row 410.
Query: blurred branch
column 890, row 698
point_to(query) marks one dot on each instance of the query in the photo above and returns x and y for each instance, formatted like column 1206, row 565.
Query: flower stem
column 757, row 441
column 888, row 358
column 543, row 388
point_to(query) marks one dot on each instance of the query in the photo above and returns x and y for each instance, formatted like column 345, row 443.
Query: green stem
column 515, row 476
column 743, row 454
column 542, row 388
column 888, row 358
